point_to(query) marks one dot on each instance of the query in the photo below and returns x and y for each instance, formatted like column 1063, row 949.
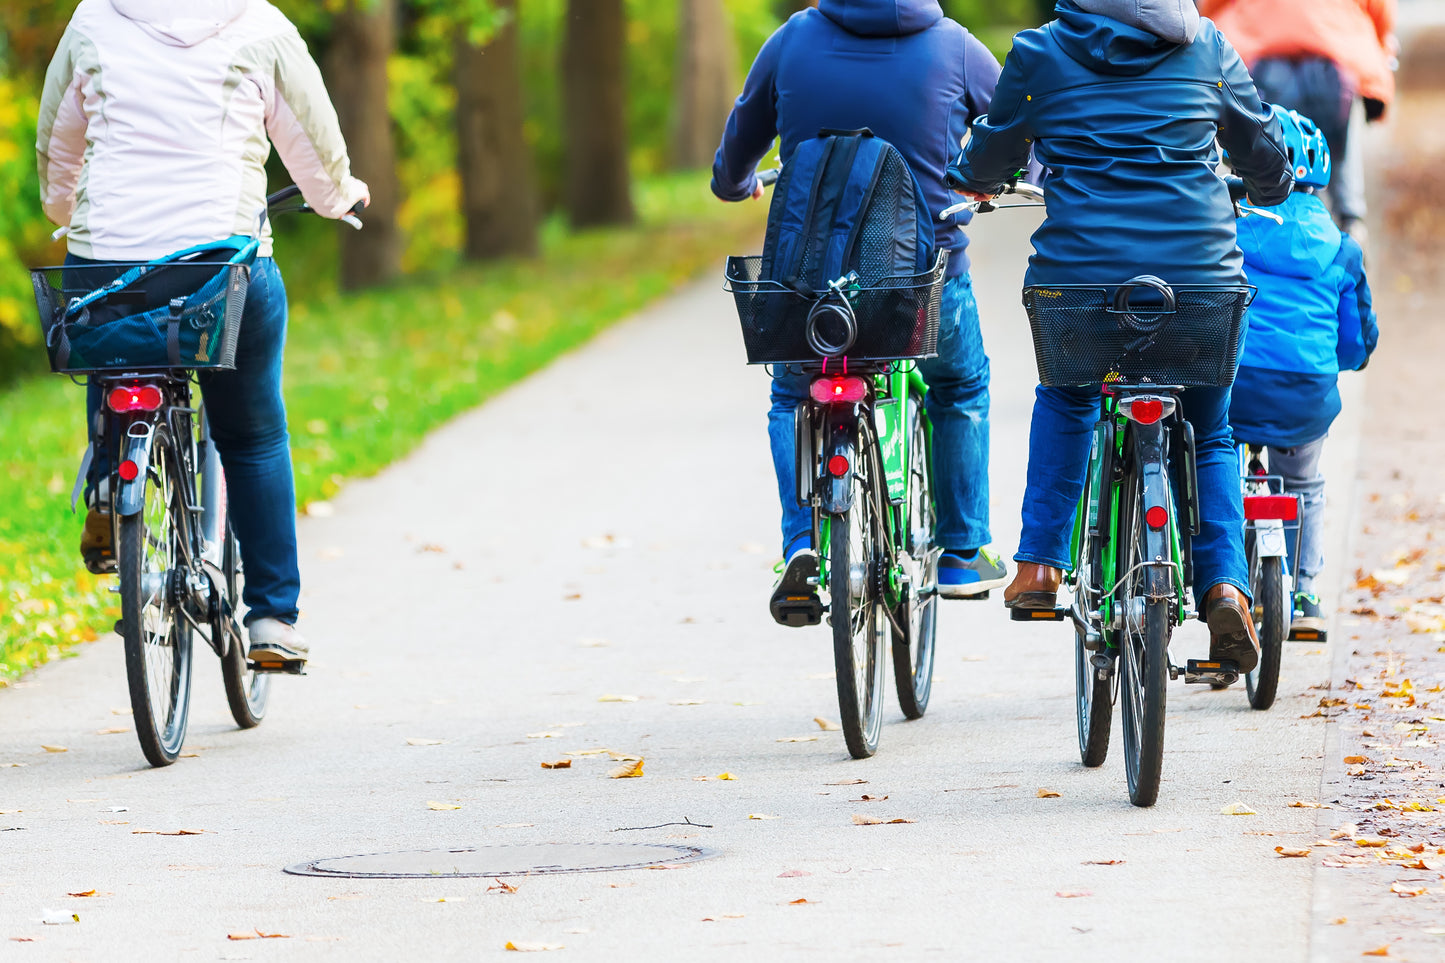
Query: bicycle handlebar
column 769, row 177
column 291, row 191
column 1032, row 194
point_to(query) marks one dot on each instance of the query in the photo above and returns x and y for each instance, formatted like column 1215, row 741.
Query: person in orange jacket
column 1326, row 59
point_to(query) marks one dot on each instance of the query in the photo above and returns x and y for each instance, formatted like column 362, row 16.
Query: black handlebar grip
column 769, row 177
column 1237, row 190
column 953, row 178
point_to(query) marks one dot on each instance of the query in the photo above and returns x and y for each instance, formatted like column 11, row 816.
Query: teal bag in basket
column 190, row 309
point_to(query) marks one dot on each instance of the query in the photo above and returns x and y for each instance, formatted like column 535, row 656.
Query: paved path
column 607, row 528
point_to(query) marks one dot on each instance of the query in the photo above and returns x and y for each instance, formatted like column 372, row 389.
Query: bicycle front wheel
column 157, row 636
column 917, row 612
column 859, row 619
column 1144, row 661
column 247, row 691
column 1263, row 681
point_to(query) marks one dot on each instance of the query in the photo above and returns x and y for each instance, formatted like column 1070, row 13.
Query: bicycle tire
column 859, row 620
column 247, row 691
column 1262, row 682
column 1093, row 702
column 157, row 638
column 1144, row 662
column 917, row 612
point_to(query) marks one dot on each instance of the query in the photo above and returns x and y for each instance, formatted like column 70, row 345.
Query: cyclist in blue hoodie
column 1311, row 319
column 917, row 80
column 1121, row 100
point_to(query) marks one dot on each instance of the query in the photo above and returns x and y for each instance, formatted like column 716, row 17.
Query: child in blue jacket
column 1311, row 319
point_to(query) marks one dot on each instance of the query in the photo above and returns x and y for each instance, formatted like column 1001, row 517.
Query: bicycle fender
column 1149, row 448
column 1269, row 539
column 130, row 498
column 836, row 491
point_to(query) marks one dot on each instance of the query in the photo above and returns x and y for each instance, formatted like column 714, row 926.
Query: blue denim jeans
column 248, row 423
column 1299, row 471
column 1059, row 442
column 957, row 405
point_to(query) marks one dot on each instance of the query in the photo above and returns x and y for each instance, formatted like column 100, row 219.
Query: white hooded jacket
column 157, row 118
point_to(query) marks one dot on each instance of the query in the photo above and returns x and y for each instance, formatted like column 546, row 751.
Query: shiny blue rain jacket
column 1311, row 320
column 1126, row 121
column 897, row 67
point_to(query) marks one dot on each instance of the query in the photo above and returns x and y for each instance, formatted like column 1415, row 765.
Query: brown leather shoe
column 97, row 547
column 1231, row 627
column 1034, row 586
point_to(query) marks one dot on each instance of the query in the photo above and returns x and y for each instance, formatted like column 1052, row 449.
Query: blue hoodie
column 898, row 67
column 1311, row 319
column 1124, row 115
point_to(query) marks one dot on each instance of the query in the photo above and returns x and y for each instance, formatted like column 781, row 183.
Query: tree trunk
column 706, row 81
column 499, row 202
column 363, row 38
column 594, row 93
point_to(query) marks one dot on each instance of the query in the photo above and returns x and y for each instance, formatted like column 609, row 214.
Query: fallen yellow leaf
column 257, row 935
column 726, row 776
column 1291, row 852
column 55, row 748
column 1377, row 951
column 525, row 947
column 1408, row 889
column 1237, row 809
column 617, row 698
column 1048, row 794
column 112, row 730
column 630, row 770
column 1357, row 760
column 827, row 725
column 559, row 764
column 762, row 816
column 1371, row 842
column 441, row 806
column 1304, row 804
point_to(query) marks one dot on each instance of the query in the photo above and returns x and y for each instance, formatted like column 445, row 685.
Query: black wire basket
column 897, row 318
column 183, row 314
column 1189, row 336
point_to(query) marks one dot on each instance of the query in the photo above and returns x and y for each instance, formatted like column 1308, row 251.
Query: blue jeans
column 1299, row 471
column 248, row 423
column 1059, row 443
column 957, row 405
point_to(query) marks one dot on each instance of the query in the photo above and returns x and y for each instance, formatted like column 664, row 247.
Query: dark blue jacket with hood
column 1122, row 101
column 1311, row 320
column 898, row 67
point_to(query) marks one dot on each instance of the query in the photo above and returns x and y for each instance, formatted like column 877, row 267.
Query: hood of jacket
column 181, row 23
column 1125, row 37
column 1304, row 246
column 882, row 18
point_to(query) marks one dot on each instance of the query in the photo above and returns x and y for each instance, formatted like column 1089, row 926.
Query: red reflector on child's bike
column 128, row 470
column 135, row 398
column 838, row 465
column 1157, row 517
column 1282, row 508
column 839, row 389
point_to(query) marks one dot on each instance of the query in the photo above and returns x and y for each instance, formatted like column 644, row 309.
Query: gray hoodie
column 1176, row 21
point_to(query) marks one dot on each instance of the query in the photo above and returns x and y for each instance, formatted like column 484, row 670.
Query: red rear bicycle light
column 1258, row 508
column 840, row 388
column 135, row 398
column 838, row 465
column 1157, row 517
column 1145, row 411
column 128, row 470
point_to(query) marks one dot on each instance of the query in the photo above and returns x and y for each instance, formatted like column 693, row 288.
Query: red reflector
column 1284, row 508
column 838, row 465
column 1157, row 517
column 1146, row 411
column 135, row 398
column 128, row 470
column 841, row 388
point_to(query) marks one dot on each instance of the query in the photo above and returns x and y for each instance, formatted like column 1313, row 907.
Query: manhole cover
column 530, row 860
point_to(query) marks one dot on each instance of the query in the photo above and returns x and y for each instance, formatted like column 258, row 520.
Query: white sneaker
column 275, row 641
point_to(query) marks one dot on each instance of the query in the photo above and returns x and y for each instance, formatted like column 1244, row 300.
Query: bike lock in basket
column 894, row 318
column 179, row 311
column 1141, row 331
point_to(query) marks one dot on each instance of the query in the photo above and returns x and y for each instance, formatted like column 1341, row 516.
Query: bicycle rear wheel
column 157, row 636
column 917, row 612
column 1262, row 683
column 247, row 691
column 859, row 619
column 1144, row 659
column 1093, row 704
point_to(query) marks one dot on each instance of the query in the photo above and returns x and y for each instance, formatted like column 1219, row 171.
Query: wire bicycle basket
column 1089, row 334
column 892, row 319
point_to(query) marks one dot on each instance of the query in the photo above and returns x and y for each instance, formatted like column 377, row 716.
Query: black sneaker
column 1308, row 624
column 795, row 599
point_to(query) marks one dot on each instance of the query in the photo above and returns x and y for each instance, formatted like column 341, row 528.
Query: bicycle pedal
column 798, row 612
column 980, row 597
column 1309, row 635
column 1038, row 615
column 1220, row 673
column 286, row 667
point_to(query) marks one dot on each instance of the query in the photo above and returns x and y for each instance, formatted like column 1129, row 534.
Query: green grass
column 367, row 376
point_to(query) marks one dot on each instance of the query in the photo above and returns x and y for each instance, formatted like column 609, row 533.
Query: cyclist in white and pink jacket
column 155, row 124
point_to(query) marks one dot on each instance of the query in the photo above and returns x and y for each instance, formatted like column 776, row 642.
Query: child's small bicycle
column 1271, row 519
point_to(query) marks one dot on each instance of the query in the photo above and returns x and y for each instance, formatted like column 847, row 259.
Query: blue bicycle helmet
column 1309, row 155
